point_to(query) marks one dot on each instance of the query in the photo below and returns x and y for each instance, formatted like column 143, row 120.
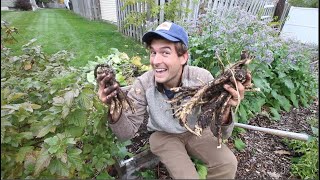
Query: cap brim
column 148, row 36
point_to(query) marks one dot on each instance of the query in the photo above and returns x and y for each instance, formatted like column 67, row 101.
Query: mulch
column 265, row 156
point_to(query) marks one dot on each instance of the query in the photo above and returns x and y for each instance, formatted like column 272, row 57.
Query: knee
column 232, row 163
column 227, row 166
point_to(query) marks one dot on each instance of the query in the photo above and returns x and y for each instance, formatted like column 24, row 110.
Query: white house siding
column 302, row 24
column 7, row 3
column 108, row 10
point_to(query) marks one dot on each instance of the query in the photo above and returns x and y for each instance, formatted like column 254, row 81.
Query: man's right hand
column 106, row 90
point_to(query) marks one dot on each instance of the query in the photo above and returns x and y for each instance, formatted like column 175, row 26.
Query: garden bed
column 265, row 156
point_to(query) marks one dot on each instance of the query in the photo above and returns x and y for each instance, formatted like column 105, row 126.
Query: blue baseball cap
column 169, row 31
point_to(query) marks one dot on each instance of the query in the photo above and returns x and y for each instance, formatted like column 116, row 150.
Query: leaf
column 52, row 140
column 202, row 170
column 74, row 158
column 43, row 161
column 35, row 106
column 44, row 131
column 68, row 97
column 26, row 106
column 55, row 109
column 239, row 144
column 100, row 163
column 59, row 168
column 85, row 99
column 282, row 100
column 104, row 175
column 74, row 131
column 49, row 117
column 275, row 114
column 22, row 153
column 145, row 68
column 261, row 83
column 65, row 111
column 11, row 106
column 90, row 78
column 26, row 135
column 285, row 103
column 121, row 79
column 70, row 141
column 15, row 96
column 136, row 60
column 288, row 82
column 58, row 101
column 258, row 103
column 242, row 112
column 78, row 118
column 293, row 98
column 64, row 157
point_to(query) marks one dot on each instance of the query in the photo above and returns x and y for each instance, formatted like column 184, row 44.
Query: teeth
column 160, row 70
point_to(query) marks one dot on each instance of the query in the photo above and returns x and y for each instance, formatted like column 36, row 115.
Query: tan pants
column 174, row 150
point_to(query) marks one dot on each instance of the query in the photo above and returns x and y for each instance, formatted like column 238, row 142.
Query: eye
column 165, row 53
column 152, row 53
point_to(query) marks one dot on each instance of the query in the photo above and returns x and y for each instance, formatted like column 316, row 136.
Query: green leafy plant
column 146, row 174
column 201, row 168
column 239, row 144
column 305, row 3
column 305, row 164
column 126, row 68
column 52, row 123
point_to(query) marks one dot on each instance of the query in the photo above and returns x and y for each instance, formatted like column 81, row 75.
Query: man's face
column 165, row 62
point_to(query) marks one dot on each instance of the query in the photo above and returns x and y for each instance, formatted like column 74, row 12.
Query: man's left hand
column 237, row 96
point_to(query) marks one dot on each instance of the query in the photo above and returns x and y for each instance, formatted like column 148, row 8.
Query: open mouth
column 160, row 70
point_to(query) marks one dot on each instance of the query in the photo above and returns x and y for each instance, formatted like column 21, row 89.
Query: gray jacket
column 148, row 97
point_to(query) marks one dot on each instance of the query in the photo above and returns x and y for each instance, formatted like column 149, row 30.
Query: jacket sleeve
column 128, row 124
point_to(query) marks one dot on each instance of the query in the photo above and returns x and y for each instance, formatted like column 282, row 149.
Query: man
column 171, row 142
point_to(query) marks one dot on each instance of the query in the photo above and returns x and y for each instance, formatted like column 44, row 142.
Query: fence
column 263, row 8
column 89, row 9
column 285, row 13
column 55, row 5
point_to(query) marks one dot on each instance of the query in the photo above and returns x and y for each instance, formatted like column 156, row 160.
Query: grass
column 61, row 29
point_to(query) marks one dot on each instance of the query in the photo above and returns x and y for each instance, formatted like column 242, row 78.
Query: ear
column 184, row 58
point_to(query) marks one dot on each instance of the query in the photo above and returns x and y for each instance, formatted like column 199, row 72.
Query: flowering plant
column 281, row 68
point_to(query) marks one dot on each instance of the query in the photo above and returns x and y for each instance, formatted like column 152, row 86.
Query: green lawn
column 61, row 29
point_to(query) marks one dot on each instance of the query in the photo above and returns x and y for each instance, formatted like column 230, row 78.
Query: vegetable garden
column 54, row 126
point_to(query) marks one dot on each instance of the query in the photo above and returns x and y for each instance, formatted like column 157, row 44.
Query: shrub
column 305, row 3
column 281, row 68
column 24, row 5
column 52, row 123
